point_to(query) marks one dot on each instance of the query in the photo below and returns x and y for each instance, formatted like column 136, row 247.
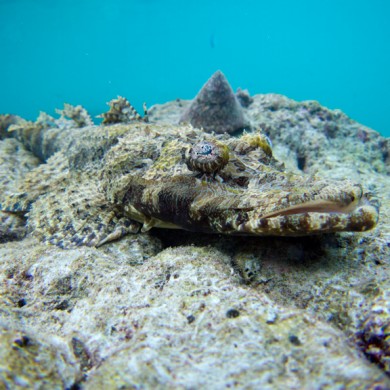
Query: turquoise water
column 87, row 52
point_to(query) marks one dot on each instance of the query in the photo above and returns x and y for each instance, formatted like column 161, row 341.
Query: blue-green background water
column 89, row 51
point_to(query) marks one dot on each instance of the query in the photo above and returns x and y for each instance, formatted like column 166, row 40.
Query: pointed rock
column 216, row 107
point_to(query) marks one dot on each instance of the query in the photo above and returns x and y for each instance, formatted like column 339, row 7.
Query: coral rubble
column 121, row 111
column 78, row 114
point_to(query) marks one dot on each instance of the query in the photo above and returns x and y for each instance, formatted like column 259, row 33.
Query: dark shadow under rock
column 291, row 251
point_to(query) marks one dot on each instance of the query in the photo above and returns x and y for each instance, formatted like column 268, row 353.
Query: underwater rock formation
column 216, row 108
column 316, row 135
column 5, row 122
column 162, row 322
column 373, row 335
column 159, row 308
column 244, row 97
column 35, row 361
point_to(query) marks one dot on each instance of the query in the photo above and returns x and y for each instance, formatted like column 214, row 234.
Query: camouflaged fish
column 99, row 183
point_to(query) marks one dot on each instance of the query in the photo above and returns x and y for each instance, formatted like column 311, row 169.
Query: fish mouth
column 314, row 217
column 316, row 206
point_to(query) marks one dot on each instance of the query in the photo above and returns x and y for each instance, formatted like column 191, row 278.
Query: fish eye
column 207, row 157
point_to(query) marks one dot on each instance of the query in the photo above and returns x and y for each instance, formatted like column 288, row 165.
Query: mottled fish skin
column 192, row 204
column 252, row 195
column 99, row 183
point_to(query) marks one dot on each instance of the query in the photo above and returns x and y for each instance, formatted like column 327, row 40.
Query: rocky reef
column 177, row 309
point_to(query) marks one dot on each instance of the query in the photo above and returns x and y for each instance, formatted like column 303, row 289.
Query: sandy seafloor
column 173, row 309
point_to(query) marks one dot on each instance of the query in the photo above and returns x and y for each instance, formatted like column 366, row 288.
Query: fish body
column 99, row 183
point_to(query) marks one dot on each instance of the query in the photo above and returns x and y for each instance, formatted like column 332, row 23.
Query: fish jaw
column 361, row 219
column 190, row 204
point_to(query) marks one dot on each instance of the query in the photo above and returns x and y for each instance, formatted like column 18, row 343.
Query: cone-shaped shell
column 216, row 107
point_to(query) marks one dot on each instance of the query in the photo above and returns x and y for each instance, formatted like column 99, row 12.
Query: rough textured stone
column 216, row 108
column 32, row 361
column 168, row 321
column 15, row 162
column 320, row 138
